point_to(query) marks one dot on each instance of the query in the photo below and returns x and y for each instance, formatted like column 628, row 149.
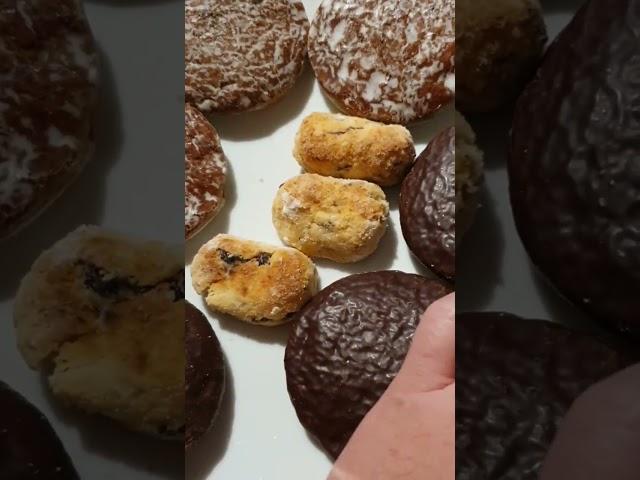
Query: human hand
column 410, row 432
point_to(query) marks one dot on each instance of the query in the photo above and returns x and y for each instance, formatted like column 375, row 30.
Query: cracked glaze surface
column 48, row 92
column 242, row 54
column 348, row 344
column 428, row 205
column 515, row 380
column 386, row 60
column 205, row 171
column 574, row 164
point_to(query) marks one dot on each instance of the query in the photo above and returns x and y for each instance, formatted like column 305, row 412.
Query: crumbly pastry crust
column 48, row 98
column 341, row 220
column 103, row 316
column 340, row 146
column 386, row 60
column 242, row 54
column 252, row 281
column 469, row 175
column 205, row 172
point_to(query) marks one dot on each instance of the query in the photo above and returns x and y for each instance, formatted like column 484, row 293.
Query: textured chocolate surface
column 515, row 380
column 205, row 375
column 428, row 205
column 348, row 344
column 29, row 447
column 574, row 163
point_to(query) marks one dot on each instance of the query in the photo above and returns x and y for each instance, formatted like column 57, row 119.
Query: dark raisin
column 263, row 258
column 229, row 258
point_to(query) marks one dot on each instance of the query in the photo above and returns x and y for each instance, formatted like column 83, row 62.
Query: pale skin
column 410, row 432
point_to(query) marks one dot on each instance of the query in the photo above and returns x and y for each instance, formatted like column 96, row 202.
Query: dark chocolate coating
column 515, row 380
column 574, row 164
column 348, row 344
column 205, row 375
column 428, row 205
column 29, row 447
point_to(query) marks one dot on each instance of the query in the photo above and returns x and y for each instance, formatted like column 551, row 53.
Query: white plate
column 258, row 436
column 494, row 272
column 135, row 185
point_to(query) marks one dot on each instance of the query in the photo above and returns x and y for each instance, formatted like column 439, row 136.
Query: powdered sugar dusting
column 291, row 205
column 242, row 54
column 387, row 60
column 205, row 171
column 48, row 75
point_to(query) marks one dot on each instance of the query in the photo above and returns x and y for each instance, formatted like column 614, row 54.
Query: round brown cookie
column 348, row 344
column 386, row 60
column 204, row 377
column 515, row 380
column 498, row 46
column 242, row 54
column 48, row 97
column 205, row 171
column 574, row 168
column 428, row 205
column 102, row 316
column 29, row 447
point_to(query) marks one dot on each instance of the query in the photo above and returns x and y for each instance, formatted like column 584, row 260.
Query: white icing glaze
column 242, row 54
column 387, row 60
column 47, row 104
column 205, row 171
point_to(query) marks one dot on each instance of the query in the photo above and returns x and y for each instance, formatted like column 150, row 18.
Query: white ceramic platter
column 258, row 436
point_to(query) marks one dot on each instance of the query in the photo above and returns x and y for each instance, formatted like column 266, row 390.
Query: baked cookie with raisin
column 332, row 218
column 252, row 281
column 102, row 316
column 340, row 146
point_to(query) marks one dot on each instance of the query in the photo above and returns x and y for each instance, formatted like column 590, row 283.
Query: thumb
column 430, row 363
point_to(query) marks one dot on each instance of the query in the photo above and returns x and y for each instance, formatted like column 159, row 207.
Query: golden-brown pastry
column 251, row 281
column 341, row 220
column 498, row 46
column 106, row 313
column 349, row 147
